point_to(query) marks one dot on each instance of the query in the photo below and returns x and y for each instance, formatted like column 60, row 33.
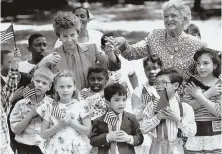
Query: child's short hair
column 154, row 59
column 193, row 29
column 174, row 76
column 45, row 73
column 96, row 68
column 66, row 73
column 34, row 36
column 103, row 41
column 213, row 54
column 3, row 53
column 64, row 21
column 87, row 11
column 113, row 89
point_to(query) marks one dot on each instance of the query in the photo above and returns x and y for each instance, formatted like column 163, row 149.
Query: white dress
column 68, row 140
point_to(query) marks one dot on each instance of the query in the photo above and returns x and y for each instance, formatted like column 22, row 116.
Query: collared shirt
column 6, row 92
column 118, row 125
column 187, row 124
column 30, row 135
column 86, row 92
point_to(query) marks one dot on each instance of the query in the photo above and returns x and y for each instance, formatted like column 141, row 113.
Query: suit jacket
column 129, row 124
column 88, row 55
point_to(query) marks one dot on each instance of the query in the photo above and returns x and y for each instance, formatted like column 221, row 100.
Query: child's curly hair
column 64, row 21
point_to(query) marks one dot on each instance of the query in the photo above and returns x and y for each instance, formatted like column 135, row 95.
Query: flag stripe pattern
column 56, row 112
column 29, row 90
column 7, row 34
column 111, row 118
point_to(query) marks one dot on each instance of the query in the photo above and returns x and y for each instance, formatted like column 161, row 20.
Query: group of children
column 86, row 111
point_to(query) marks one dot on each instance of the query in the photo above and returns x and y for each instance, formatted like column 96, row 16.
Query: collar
column 173, row 99
column 178, row 38
column 29, row 102
column 80, row 48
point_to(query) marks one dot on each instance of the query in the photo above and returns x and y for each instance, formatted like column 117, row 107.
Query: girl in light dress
column 204, row 95
column 66, row 122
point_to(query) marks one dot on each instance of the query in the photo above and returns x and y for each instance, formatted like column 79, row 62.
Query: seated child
column 66, row 123
column 116, row 131
column 173, row 119
column 24, row 120
column 204, row 95
column 74, row 56
column 145, row 97
column 6, row 92
column 97, row 79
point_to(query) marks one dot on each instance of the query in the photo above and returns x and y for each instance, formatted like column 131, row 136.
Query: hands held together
column 118, row 136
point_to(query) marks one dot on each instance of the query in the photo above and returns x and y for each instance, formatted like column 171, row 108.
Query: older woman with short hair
column 174, row 47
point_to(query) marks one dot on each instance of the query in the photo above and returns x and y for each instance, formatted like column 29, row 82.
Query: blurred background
column 132, row 19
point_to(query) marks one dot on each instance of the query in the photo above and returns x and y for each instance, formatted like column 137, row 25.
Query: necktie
column 113, row 145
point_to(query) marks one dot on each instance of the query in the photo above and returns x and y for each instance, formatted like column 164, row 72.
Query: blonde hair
column 66, row 73
column 64, row 21
column 182, row 8
column 45, row 73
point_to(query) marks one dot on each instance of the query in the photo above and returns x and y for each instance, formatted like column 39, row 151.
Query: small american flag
column 163, row 101
column 56, row 112
column 7, row 34
column 111, row 118
column 29, row 90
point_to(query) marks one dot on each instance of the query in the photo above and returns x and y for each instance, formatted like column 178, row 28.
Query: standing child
column 97, row 79
column 117, row 131
column 6, row 92
column 24, row 120
column 66, row 123
column 145, row 97
column 170, row 121
column 205, row 98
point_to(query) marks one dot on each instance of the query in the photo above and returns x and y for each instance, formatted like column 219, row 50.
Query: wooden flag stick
column 14, row 36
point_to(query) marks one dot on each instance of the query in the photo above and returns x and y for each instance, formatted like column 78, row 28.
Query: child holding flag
column 6, row 93
column 171, row 117
column 117, row 131
column 24, row 120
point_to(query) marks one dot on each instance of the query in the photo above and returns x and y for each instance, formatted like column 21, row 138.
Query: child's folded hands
column 118, row 136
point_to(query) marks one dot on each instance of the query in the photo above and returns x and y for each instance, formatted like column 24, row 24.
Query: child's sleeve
column 137, row 134
column 97, row 138
column 188, row 124
column 85, row 109
column 16, row 115
column 44, row 111
column 137, row 106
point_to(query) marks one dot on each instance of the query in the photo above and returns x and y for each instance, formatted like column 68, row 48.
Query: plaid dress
column 6, row 93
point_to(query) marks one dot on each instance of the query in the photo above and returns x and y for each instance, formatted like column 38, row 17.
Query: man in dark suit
column 117, row 131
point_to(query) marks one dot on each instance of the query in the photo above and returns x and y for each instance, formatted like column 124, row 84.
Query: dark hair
column 34, row 36
column 194, row 29
column 96, row 68
column 3, row 53
column 154, row 59
column 87, row 11
column 103, row 41
column 113, row 89
column 213, row 54
column 174, row 76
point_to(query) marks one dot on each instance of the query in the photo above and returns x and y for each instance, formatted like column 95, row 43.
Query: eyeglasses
column 162, row 84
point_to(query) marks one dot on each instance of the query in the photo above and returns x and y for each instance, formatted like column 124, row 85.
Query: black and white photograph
column 111, row 77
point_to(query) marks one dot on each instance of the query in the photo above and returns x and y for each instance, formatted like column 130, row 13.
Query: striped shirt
column 202, row 113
